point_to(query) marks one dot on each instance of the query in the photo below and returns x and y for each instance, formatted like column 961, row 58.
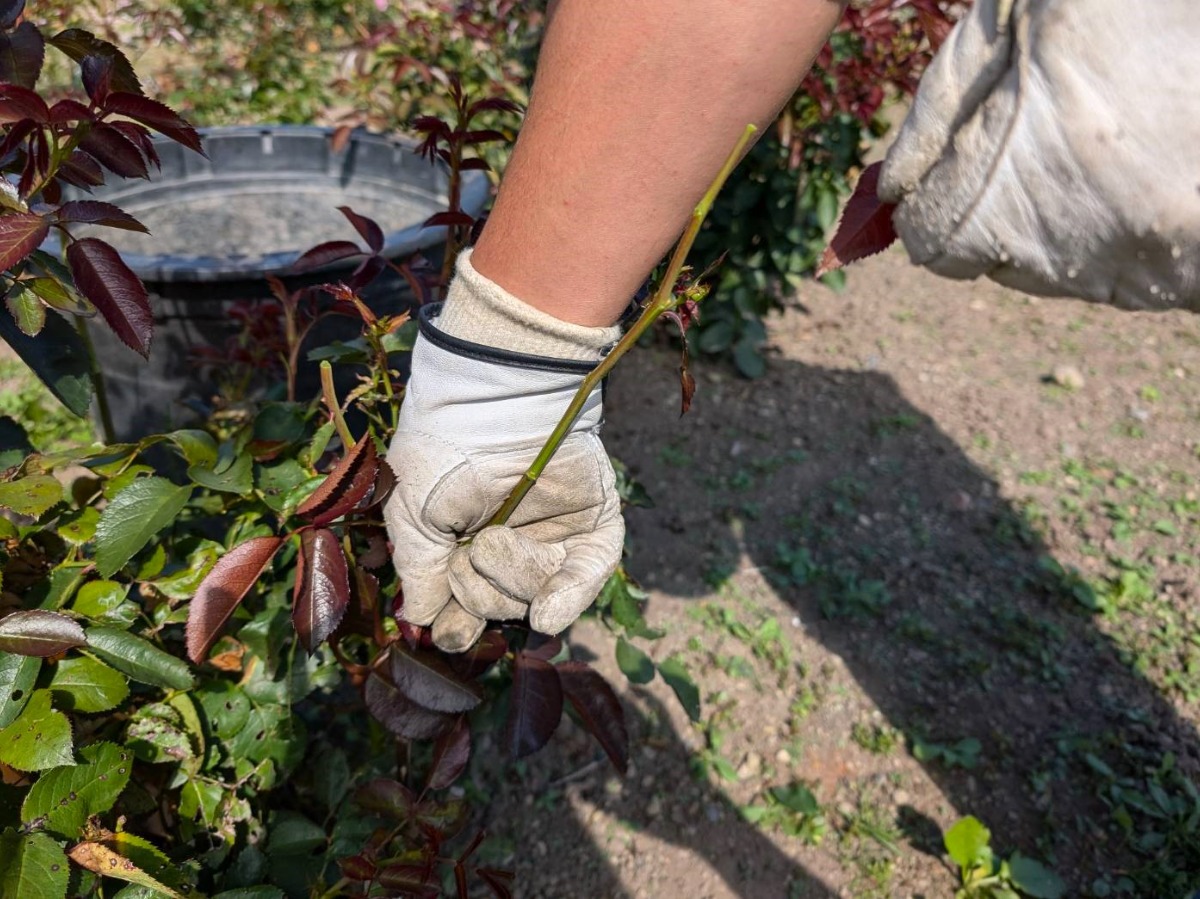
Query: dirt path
column 862, row 559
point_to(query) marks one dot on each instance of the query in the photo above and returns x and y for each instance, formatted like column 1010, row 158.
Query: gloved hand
column 491, row 376
column 1054, row 145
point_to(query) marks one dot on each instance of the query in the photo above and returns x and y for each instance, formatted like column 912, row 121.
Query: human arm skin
column 635, row 105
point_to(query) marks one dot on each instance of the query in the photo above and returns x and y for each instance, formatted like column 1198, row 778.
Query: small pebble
column 1067, row 376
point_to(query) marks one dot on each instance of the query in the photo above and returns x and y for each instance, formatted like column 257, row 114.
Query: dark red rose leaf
column 487, row 651
column 599, row 709
column 408, row 880
column 22, row 52
column 116, row 151
column 429, row 681
column 385, row 483
column 20, row 234
column 376, row 555
column 543, row 647
column 499, row 882
column 496, row 104
column 450, row 219
column 444, row 817
column 479, row 137
column 17, row 103
column 865, row 227
column 81, row 170
column 687, row 389
column 357, row 867
column 345, row 486
column 401, row 715
column 10, row 11
column 140, row 137
column 79, row 44
column 154, row 115
column 341, row 138
column 367, row 228
column 368, row 270
column 450, row 756
column 535, row 707
column 103, row 277
column 428, row 124
column 323, row 254
column 364, row 594
column 96, row 73
column 388, row 797
column 15, row 137
column 936, row 27
column 93, row 212
column 66, row 111
column 223, row 589
column 474, row 164
column 37, row 162
column 35, row 632
column 322, row 590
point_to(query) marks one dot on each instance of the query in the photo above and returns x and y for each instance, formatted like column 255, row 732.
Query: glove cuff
column 480, row 312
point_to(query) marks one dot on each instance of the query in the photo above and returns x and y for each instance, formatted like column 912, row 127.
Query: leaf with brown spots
column 98, row 858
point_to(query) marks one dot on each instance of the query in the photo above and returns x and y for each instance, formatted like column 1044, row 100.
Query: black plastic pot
column 264, row 195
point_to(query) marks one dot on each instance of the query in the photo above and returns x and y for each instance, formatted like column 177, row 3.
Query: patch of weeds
column 878, row 739
column 795, row 565
column 844, row 593
column 709, row 761
column 870, row 842
column 793, row 810
column 1157, row 811
column 891, row 425
column 963, row 754
column 984, row 876
column 672, row 456
column 764, row 639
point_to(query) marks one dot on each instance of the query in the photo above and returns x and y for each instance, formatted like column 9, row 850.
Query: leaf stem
column 662, row 301
column 331, row 401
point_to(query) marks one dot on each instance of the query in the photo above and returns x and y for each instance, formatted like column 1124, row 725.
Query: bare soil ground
column 865, row 558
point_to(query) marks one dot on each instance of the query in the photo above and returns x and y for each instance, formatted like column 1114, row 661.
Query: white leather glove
column 491, row 376
column 1054, row 145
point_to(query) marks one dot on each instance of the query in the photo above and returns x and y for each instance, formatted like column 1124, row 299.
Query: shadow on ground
column 902, row 560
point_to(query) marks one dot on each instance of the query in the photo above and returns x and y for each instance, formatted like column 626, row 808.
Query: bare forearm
column 635, row 105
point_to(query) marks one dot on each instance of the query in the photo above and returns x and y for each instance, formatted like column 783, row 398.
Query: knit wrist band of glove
column 479, row 311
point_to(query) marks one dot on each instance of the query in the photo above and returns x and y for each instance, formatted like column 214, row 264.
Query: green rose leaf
column 140, row 659
column 675, row 673
column 79, row 527
column 31, row 496
column 105, row 602
column 63, row 799
column 236, row 478
column 17, row 676
column 89, row 685
column 634, row 663
column 134, row 516
column 1034, row 879
column 156, row 734
column 32, row 866
column 967, row 842
column 40, row 738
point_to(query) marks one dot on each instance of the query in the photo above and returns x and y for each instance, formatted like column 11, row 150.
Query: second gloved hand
column 491, row 377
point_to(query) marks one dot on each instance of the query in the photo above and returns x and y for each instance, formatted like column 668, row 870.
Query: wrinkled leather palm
column 1055, row 147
